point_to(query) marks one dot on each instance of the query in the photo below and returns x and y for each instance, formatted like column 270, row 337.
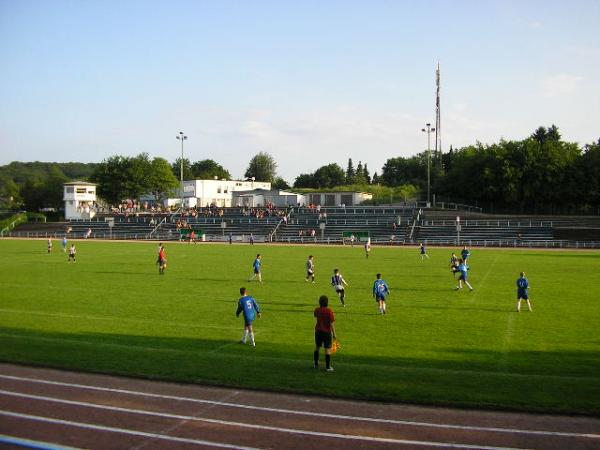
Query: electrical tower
column 438, row 121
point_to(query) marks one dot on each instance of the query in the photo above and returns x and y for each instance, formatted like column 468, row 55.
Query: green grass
column 111, row 312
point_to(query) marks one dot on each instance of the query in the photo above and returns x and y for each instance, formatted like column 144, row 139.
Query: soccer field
column 111, row 312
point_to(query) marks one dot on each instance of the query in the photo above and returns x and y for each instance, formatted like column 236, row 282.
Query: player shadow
column 557, row 380
column 119, row 272
column 458, row 308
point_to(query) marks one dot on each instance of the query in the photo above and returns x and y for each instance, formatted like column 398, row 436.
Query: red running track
column 59, row 409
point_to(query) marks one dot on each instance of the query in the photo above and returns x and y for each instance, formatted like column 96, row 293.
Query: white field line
column 28, row 443
column 276, row 358
column 90, row 426
column 485, row 275
column 254, row 426
column 306, row 413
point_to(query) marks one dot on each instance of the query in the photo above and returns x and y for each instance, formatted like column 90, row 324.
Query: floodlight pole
column 428, row 130
column 182, row 138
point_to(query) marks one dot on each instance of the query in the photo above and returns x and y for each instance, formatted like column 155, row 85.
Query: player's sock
column 316, row 358
column 245, row 336
column 252, row 339
column 327, row 361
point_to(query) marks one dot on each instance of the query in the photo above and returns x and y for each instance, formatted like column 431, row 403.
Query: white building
column 262, row 197
column 337, row 198
column 218, row 192
column 80, row 200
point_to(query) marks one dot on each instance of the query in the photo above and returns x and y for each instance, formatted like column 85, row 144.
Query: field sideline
column 111, row 312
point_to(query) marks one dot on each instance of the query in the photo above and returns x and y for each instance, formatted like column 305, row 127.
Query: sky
column 310, row 82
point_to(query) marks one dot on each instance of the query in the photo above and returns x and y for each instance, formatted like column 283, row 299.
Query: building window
column 219, row 190
column 69, row 189
column 81, row 190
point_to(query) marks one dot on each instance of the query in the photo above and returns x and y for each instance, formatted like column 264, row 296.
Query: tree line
column 539, row 174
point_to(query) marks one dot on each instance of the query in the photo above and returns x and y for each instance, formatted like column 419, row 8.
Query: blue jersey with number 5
column 249, row 307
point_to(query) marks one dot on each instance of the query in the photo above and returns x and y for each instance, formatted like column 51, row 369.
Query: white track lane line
column 309, row 413
column 40, row 445
column 90, row 426
column 253, row 426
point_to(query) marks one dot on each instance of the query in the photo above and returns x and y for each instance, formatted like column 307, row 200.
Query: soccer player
column 463, row 269
column 324, row 332
column 64, row 244
column 423, row 251
column 72, row 253
column 162, row 260
column 367, row 247
column 310, row 269
column 380, row 292
column 256, row 265
column 338, row 282
column 49, row 245
column 465, row 253
column 522, row 292
column 454, row 264
column 250, row 308
column 251, row 239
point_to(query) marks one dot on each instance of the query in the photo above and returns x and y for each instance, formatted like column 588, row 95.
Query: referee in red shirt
column 324, row 332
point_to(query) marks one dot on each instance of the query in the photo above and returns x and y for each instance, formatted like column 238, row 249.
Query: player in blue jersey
column 251, row 310
column 522, row 291
column 465, row 254
column 423, row 251
column 463, row 269
column 256, row 267
column 64, row 244
column 380, row 293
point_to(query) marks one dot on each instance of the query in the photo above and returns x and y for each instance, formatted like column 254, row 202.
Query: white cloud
column 561, row 84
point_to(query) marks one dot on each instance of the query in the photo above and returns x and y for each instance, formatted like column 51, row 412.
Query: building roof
column 79, row 183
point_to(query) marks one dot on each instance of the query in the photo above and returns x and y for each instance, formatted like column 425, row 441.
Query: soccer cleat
column 329, row 369
column 243, row 342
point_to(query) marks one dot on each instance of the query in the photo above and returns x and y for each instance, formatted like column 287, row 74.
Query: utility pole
column 438, row 120
column 428, row 130
column 182, row 138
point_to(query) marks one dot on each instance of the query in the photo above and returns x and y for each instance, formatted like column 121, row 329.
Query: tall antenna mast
column 438, row 120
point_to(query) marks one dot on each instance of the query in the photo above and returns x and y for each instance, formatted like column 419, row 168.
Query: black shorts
column 309, row 273
column 323, row 339
column 380, row 298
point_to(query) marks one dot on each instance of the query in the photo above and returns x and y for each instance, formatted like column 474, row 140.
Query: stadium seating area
column 384, row 225
column 381, row 223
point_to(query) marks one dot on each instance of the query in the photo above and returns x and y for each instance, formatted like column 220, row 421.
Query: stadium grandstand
column 389, row 225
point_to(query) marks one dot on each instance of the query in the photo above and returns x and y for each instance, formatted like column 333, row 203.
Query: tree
column 305, row 180
column 10, row 197
column 359, row 177
column 207, row 169
column 366, row 175
column 262, row 167
column 540, row 135
column 187, row 169
column 111, row 176
column 329, row 176
column 280, row 183
column 161, row 183
column 350, row 172
column 399, row 171
column 553, row 134
column 375, row 179
column 121, row 177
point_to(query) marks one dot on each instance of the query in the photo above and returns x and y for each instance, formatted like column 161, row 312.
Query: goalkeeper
column 324, row 332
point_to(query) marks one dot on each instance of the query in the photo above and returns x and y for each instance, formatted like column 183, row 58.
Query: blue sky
column 311, row 82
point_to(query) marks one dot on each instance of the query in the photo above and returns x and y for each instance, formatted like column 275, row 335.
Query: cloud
column 561, row 84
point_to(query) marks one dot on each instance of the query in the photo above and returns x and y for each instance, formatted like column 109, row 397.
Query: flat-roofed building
column 80, row 200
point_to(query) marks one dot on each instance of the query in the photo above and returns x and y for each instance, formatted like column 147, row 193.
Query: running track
column 42, row 408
